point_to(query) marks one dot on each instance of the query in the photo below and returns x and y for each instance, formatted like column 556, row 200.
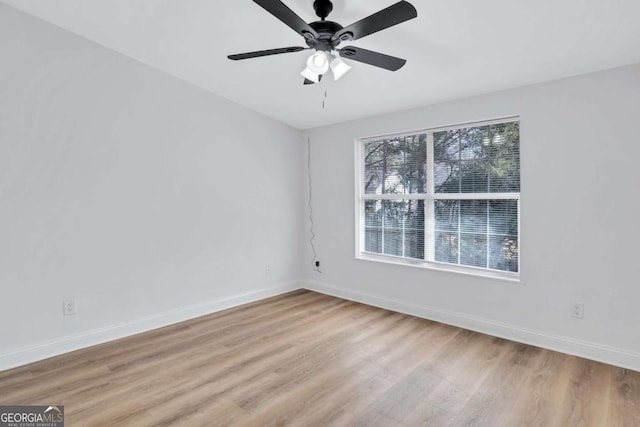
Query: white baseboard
column 588, row 350
column 48, row 349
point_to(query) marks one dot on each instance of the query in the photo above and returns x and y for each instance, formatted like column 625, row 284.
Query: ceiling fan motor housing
column 325, row 30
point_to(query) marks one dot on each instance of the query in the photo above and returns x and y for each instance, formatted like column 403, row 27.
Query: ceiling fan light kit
column 325, row 36
column 318, row 64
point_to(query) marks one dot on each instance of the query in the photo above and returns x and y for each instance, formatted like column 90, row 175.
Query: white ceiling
column 455, row 48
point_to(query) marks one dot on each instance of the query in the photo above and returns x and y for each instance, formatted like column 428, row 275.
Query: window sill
column 468, row 271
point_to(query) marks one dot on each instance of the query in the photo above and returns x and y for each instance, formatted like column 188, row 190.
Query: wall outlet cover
column 69, row 307
column 577, row 310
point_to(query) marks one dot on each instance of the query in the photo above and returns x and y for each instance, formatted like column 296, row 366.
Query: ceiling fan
column 325, row 36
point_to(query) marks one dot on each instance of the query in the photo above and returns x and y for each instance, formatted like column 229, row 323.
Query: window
column 443, row 197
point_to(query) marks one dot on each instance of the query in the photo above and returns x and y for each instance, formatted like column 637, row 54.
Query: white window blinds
column 444, row 196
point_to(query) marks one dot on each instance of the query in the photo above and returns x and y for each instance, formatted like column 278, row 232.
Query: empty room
column 319, row 213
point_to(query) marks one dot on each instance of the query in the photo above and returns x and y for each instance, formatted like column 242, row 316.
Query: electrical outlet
column 577, row 310
column 267, row 268
column 69, row 307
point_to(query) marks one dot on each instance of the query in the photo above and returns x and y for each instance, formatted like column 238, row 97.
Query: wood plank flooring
column 307, row 359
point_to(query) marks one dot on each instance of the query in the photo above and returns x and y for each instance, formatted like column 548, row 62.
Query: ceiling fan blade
column 372, row 58
column 268, row 52
column 289, row 17
column 393, row 15
column 311, row 82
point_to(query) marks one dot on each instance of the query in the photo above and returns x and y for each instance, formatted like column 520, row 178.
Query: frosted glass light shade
column 339, row 68
column 310, row 75
column 318, row 62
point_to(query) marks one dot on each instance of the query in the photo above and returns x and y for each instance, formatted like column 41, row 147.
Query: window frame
column 429, row 198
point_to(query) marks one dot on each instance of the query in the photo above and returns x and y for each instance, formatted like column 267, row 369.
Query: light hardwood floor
column 312, row 360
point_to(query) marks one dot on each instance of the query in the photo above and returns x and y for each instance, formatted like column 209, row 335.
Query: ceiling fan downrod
column 323, row 8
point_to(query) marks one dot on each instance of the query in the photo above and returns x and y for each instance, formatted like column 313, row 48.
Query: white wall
column 580, row 212
column 149, row 201
column 131, row 191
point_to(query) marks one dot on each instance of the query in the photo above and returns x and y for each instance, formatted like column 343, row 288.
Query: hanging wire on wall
column 313, row 234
